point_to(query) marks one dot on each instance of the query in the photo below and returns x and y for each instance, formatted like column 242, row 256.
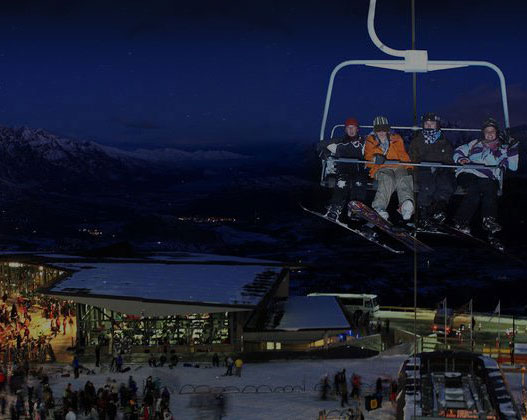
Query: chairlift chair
column 413, row 61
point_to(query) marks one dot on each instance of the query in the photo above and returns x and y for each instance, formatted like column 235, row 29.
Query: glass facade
column 24, row 279
column 123, row 332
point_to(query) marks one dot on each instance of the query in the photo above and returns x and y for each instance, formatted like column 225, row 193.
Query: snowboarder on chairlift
column 382, row 144
column 482, row 185
column 351, row 179
column 436, row 185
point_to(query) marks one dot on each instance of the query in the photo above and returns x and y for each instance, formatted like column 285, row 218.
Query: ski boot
column 496, row 243
column 407, row 209
column 425, row 222
column 352, row 217
column 333, row 212
column 439, row 212
column 439, row 217
column 491, row 225
column 462, row 227
column 369, row 232
column 383, row 213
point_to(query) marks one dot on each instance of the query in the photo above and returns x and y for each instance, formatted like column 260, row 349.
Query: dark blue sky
column 214, row 74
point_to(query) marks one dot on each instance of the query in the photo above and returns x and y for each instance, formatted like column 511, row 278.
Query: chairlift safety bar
column 422, row 164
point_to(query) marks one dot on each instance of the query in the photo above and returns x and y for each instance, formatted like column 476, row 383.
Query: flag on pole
column 498, row 308
column 496, row 311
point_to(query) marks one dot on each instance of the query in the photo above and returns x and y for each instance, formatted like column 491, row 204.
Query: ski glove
column 511, row 142
column 379, row 159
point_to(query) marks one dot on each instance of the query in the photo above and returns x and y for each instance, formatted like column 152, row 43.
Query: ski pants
column 482, row 191
column 390, row 180
column 435, row 186
column 349, row 186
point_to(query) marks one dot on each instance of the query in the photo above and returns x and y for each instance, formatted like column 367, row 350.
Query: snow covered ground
column 261, row 405
column 264, row 404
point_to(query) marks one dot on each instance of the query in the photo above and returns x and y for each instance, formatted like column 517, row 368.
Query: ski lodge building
column 187, row 302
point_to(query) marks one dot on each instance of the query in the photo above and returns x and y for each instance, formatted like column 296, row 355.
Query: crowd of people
column 477, row 166
column 340, row 388
column 21, row 341
column 110, row 401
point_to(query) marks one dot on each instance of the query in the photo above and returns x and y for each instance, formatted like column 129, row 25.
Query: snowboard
column 368, row 235
column 360, row 209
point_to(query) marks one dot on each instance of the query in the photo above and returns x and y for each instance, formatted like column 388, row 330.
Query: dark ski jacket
column 347, row 147
column 441, row 151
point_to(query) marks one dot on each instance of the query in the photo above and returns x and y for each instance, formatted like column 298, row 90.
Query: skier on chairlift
column 436, row 185
column 482, row 185
column 381, row 145
column 350, row 179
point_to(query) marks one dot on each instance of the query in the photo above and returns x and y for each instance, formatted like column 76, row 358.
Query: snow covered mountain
column 30, row 157
column 172, row 155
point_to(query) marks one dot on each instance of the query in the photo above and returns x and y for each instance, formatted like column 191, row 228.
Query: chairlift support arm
column 415, row 61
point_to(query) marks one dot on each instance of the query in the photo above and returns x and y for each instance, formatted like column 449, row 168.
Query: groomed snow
column 313, row 312
column 222, row 284
column 261, row 405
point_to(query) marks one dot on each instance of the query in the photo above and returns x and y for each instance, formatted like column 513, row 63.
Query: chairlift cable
column 414, row 90
column 414, row 75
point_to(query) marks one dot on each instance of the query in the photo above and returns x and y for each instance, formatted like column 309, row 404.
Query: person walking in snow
column 382, row 144
column 336, row 383
column 350, row 179
column 119, row 363
column 343, row 383
column 76, row 366
column 230, row 364
column 436, row 185
column 355, row 386
column 324, row 387
column 238, row 364
column 482, row 185
column 215, row 360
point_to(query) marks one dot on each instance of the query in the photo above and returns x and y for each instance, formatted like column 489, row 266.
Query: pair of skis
column 373, row 226
column 449, row 230
column 372, row 221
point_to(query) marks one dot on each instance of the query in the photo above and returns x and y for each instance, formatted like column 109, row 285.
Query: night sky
column 216, row 74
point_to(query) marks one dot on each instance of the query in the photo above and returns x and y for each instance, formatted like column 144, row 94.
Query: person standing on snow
column 238, row 363
column 351, row 178
column 343, row 383
column 482, row 185
column 381, row 145
column 436, row 185
column 230, row 364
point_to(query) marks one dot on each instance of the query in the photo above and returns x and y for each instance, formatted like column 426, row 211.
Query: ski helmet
column 490, row 122
column 352, row 121
column 380, row 123
column 431, row 116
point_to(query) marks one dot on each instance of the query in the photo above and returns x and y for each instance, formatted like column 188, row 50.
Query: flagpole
column 444, row 309
column 471, row 328
column 499, row 321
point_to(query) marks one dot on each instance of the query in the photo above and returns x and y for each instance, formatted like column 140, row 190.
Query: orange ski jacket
column 396, row 151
